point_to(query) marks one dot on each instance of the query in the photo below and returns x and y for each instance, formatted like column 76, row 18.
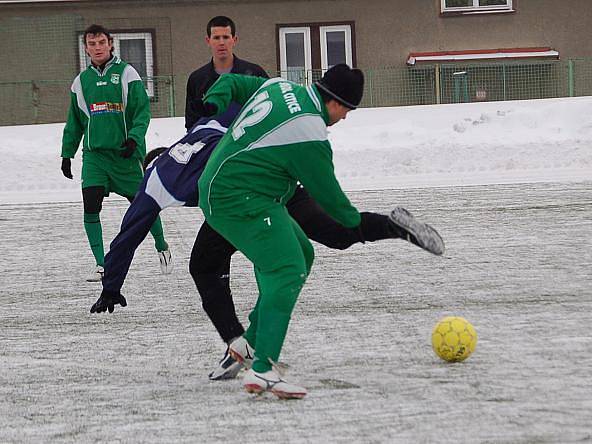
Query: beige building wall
column 386, row 31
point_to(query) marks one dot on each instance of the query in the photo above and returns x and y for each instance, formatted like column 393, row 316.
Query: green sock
column 94, row 233
column 158, row 235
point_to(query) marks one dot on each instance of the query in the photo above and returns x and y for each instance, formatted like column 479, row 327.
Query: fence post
column 437, row 76
column 172, row 96
column 504, row 81
column 35, row 101
column 370, row 86
column 570, row 78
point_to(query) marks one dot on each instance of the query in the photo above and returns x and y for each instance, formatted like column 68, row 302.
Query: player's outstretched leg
column 407, row 227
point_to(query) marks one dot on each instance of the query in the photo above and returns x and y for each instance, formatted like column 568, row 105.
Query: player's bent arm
column 138, row 109
column 312, row 164
column 232, row 88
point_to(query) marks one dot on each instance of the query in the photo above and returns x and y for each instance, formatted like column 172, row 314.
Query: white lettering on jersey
column 252, row 114
column 290, row 98
column 182, row 152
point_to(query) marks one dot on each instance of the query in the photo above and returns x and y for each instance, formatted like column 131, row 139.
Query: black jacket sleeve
column 197, row 84
column 202, row 79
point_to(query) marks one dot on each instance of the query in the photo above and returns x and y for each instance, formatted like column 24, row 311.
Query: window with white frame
column 295, row 55
column 336, row 46
column 133, row 47
column 307, row 51
column 476, row 6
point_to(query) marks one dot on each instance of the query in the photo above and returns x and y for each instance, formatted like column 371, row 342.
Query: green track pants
column 282, row 257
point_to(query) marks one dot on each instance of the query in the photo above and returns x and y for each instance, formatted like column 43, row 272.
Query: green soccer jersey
column 106, row 108
column 279, row 138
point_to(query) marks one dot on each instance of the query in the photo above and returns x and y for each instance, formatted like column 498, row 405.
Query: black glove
column 107, row 301
column 129, row 147
column 67, row 167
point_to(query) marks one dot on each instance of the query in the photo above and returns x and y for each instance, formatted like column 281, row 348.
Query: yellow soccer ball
column 454, row 339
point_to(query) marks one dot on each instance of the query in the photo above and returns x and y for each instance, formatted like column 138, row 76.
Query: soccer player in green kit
column 109, row 107
column 278, row 140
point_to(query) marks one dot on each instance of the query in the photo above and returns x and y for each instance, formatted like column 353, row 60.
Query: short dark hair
column 153, row 154
column 221, row 21
column 96, row 30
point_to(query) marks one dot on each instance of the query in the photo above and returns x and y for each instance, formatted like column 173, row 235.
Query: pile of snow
column 375, row 148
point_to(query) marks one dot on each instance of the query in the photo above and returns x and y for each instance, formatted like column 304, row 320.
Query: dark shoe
column 404, row 225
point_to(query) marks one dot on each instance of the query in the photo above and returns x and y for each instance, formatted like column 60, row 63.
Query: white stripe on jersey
column 313, row 97
column 212, row 124
column 77, row 89
column 301, row 128
column 156, row 190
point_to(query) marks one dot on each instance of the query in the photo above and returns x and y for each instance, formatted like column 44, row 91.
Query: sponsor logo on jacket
column 105, row 107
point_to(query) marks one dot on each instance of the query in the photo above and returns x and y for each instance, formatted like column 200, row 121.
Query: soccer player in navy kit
column 171, row 180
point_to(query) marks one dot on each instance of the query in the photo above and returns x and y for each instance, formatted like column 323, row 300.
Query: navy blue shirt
column 170, row 180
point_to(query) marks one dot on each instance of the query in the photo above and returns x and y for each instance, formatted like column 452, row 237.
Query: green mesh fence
column 47, row 101
column 399, row 86
column 44, row 54
column 579, row 77
column 455, row 83
column 508, row 81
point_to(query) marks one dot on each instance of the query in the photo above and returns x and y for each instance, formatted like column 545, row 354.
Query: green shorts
column 109, row 170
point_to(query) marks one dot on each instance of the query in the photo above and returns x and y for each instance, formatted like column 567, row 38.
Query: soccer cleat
column 424, row 236
column 96, row 275
column 166, row 261
column 271, row 381
column 228, row 368
column 241, row 351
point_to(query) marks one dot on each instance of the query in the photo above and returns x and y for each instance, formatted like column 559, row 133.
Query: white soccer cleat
column 418, row 233
column 271, row 381
column 166, row 261
column 96, row 275
column 241, row 351
column 228, row 368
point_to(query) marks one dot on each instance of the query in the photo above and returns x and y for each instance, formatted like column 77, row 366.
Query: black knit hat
column 344, row 84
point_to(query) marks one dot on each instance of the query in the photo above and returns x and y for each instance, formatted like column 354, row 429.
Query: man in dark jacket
column 221, row 38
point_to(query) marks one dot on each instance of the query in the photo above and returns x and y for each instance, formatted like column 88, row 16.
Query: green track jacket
column 279, row 138
column 107, row 108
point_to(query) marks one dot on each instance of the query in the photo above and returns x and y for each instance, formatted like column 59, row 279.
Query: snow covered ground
column 509, row 186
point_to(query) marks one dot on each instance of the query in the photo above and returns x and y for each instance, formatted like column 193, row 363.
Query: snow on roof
column 481, row 54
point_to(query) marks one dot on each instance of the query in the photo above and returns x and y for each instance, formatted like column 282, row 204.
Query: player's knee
column 197, row 268
column 92, row 199
column 212, row 288
column 204, row 281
